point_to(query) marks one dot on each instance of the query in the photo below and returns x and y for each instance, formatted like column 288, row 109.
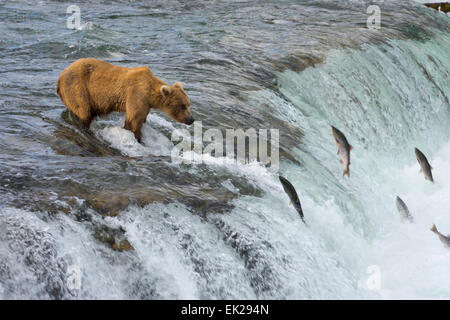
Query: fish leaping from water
column 424, row 165
column 444, row 239
column 290, row 190
column 403, row 211
column 344, row 149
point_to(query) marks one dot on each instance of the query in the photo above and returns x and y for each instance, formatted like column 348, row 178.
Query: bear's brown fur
column 91, row 87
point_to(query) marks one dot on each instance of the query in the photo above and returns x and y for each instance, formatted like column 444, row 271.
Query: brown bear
column 91, row 87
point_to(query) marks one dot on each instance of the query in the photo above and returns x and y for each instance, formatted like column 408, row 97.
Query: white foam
column 384, row 114
column 253, row 169
column 175, row 244
column 413, row 261
column 153, row 141
column 116, row 55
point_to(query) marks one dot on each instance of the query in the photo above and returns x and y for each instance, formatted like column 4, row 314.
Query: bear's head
column 175, row 103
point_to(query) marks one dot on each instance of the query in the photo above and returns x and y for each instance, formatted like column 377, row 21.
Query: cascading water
column 389, row 100
column 214, row 229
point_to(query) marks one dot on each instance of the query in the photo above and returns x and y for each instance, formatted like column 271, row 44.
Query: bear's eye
column 183, row 107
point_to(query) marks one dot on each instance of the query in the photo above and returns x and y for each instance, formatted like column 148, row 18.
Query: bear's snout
column 189, row 120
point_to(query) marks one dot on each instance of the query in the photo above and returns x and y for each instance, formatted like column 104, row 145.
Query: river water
column 69, row 198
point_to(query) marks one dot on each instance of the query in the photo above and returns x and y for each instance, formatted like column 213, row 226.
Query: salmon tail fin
column 346, row 172
column 434, row 229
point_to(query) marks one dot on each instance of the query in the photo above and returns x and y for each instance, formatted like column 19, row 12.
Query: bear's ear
column 165, row 90
column 178, row 85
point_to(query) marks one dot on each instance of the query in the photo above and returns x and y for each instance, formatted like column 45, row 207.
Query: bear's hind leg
column 134, row 125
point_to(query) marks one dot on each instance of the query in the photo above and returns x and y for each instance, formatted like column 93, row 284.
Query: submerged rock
column 123, row 245
column 113, row 237
column 441, row 6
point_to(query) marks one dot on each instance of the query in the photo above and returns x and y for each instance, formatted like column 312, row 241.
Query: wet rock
column 111, row 202
column 441, row 6
column 123, row 245
column 297, row 62
column 113, row 237
column 76, row 140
